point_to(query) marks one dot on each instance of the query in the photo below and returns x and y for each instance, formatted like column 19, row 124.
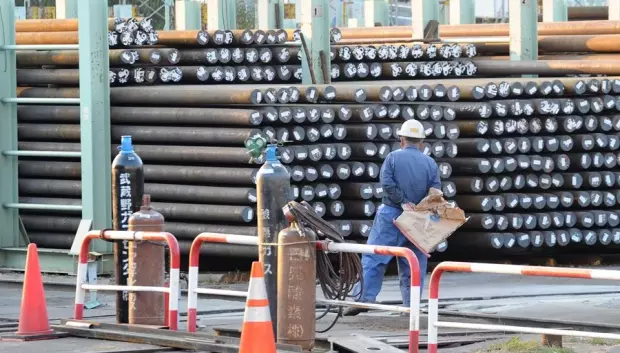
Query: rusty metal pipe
column 486, row 30
column 157, row 153
column 153, row 173
column 202, row 136
column 163, row 192
column 174, row 95
column 142, row 115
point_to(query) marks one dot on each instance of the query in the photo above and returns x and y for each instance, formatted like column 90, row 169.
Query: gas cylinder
column 274, row 191
column 296, row 287
column 146, row 268
column 127, row 191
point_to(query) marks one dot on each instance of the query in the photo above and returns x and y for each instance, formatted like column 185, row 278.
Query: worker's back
column 411, row 172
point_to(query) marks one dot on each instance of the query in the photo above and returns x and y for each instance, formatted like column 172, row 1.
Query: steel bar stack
column 197, row 169
column 537, row 164
column 533, row 162
column 565, row 48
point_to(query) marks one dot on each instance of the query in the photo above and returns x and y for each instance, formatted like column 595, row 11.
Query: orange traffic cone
column 33, row 320
column 257, row 331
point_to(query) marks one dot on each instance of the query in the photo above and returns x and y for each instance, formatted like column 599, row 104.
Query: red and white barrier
column 172, row 289
column 414, row 310
column 433, row 301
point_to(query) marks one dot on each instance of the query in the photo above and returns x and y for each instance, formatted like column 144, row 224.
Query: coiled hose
column 335, row 284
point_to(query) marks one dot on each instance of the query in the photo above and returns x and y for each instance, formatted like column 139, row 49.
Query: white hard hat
column 412, row 128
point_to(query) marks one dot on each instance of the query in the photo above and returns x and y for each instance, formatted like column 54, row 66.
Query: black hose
column 336, row 285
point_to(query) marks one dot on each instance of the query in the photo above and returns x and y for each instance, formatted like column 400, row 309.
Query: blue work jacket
column 407, row 175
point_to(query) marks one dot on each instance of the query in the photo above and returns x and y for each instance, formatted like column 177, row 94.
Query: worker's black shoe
column 353, row 311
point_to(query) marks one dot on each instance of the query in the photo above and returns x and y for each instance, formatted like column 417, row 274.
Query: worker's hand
column 405, row 206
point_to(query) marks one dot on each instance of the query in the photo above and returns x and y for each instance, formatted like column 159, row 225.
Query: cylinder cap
column 126, row 145
column 271, row 153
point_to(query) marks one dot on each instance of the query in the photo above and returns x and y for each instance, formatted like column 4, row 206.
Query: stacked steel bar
column 122, row 32
column 197, row 168
column 538, row 165
column 497, row 141
column 576, row 47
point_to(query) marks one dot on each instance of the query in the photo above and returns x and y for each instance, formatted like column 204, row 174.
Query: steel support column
column 462, row 12
column 95, row 117
column 315, row 29
column 187, row 15
column 221, row 14
column 167, row 15
column 523, row 25
column 66, row 8
column 555, row 11
column 423, row 11
column 376, row 11
column 614, row 10
column 9, row 225
column 268, row 16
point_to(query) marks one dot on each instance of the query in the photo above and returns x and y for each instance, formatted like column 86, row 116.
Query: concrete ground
column 588, row 301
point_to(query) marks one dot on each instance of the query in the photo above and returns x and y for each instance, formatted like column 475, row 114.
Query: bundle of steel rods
column 191, row 141
column 533, row 162
column 228, row 56
column 122, row 32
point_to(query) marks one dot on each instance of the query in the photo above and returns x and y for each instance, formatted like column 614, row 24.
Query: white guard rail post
column 175, row 262
column 414, row 311
column 540, row 271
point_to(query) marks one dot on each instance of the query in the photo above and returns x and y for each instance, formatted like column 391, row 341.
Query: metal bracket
column 23, row 233
column 358, row 343
column 86, row 225
column 91, row 278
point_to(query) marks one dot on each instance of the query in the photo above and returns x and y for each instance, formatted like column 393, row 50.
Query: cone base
column 34, row 337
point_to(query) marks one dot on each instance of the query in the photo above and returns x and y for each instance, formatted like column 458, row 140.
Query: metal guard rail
column 540, row 271
column 175, row 262
column 325, row 245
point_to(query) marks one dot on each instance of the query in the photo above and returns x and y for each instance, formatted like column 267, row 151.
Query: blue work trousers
column 385, row 233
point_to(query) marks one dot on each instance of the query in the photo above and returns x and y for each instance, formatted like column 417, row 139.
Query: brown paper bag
column 430, row 222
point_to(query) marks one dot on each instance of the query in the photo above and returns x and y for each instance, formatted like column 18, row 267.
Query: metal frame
column 462, row 12
column 555, row 11
column 187, row 15
column 94, row 126
column 326, row 245
column 540, row 271
column 175, row 264
column 523, row 25
column 315, row 30
column 267, row 16
column 221, row 14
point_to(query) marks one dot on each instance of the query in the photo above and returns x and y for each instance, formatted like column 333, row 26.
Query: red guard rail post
column 414, row 310
column 540, row 271
column 175, row 262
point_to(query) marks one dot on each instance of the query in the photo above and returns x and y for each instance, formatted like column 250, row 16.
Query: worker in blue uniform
column 406, row 177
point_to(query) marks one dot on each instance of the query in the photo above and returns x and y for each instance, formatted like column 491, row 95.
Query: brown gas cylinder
column 146, row 267
column 296, row 287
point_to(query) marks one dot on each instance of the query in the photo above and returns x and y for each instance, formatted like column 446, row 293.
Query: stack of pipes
column 191, row 140
column 216, row 57
column 565, row 48
column 495, row 140
column 538, row 164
